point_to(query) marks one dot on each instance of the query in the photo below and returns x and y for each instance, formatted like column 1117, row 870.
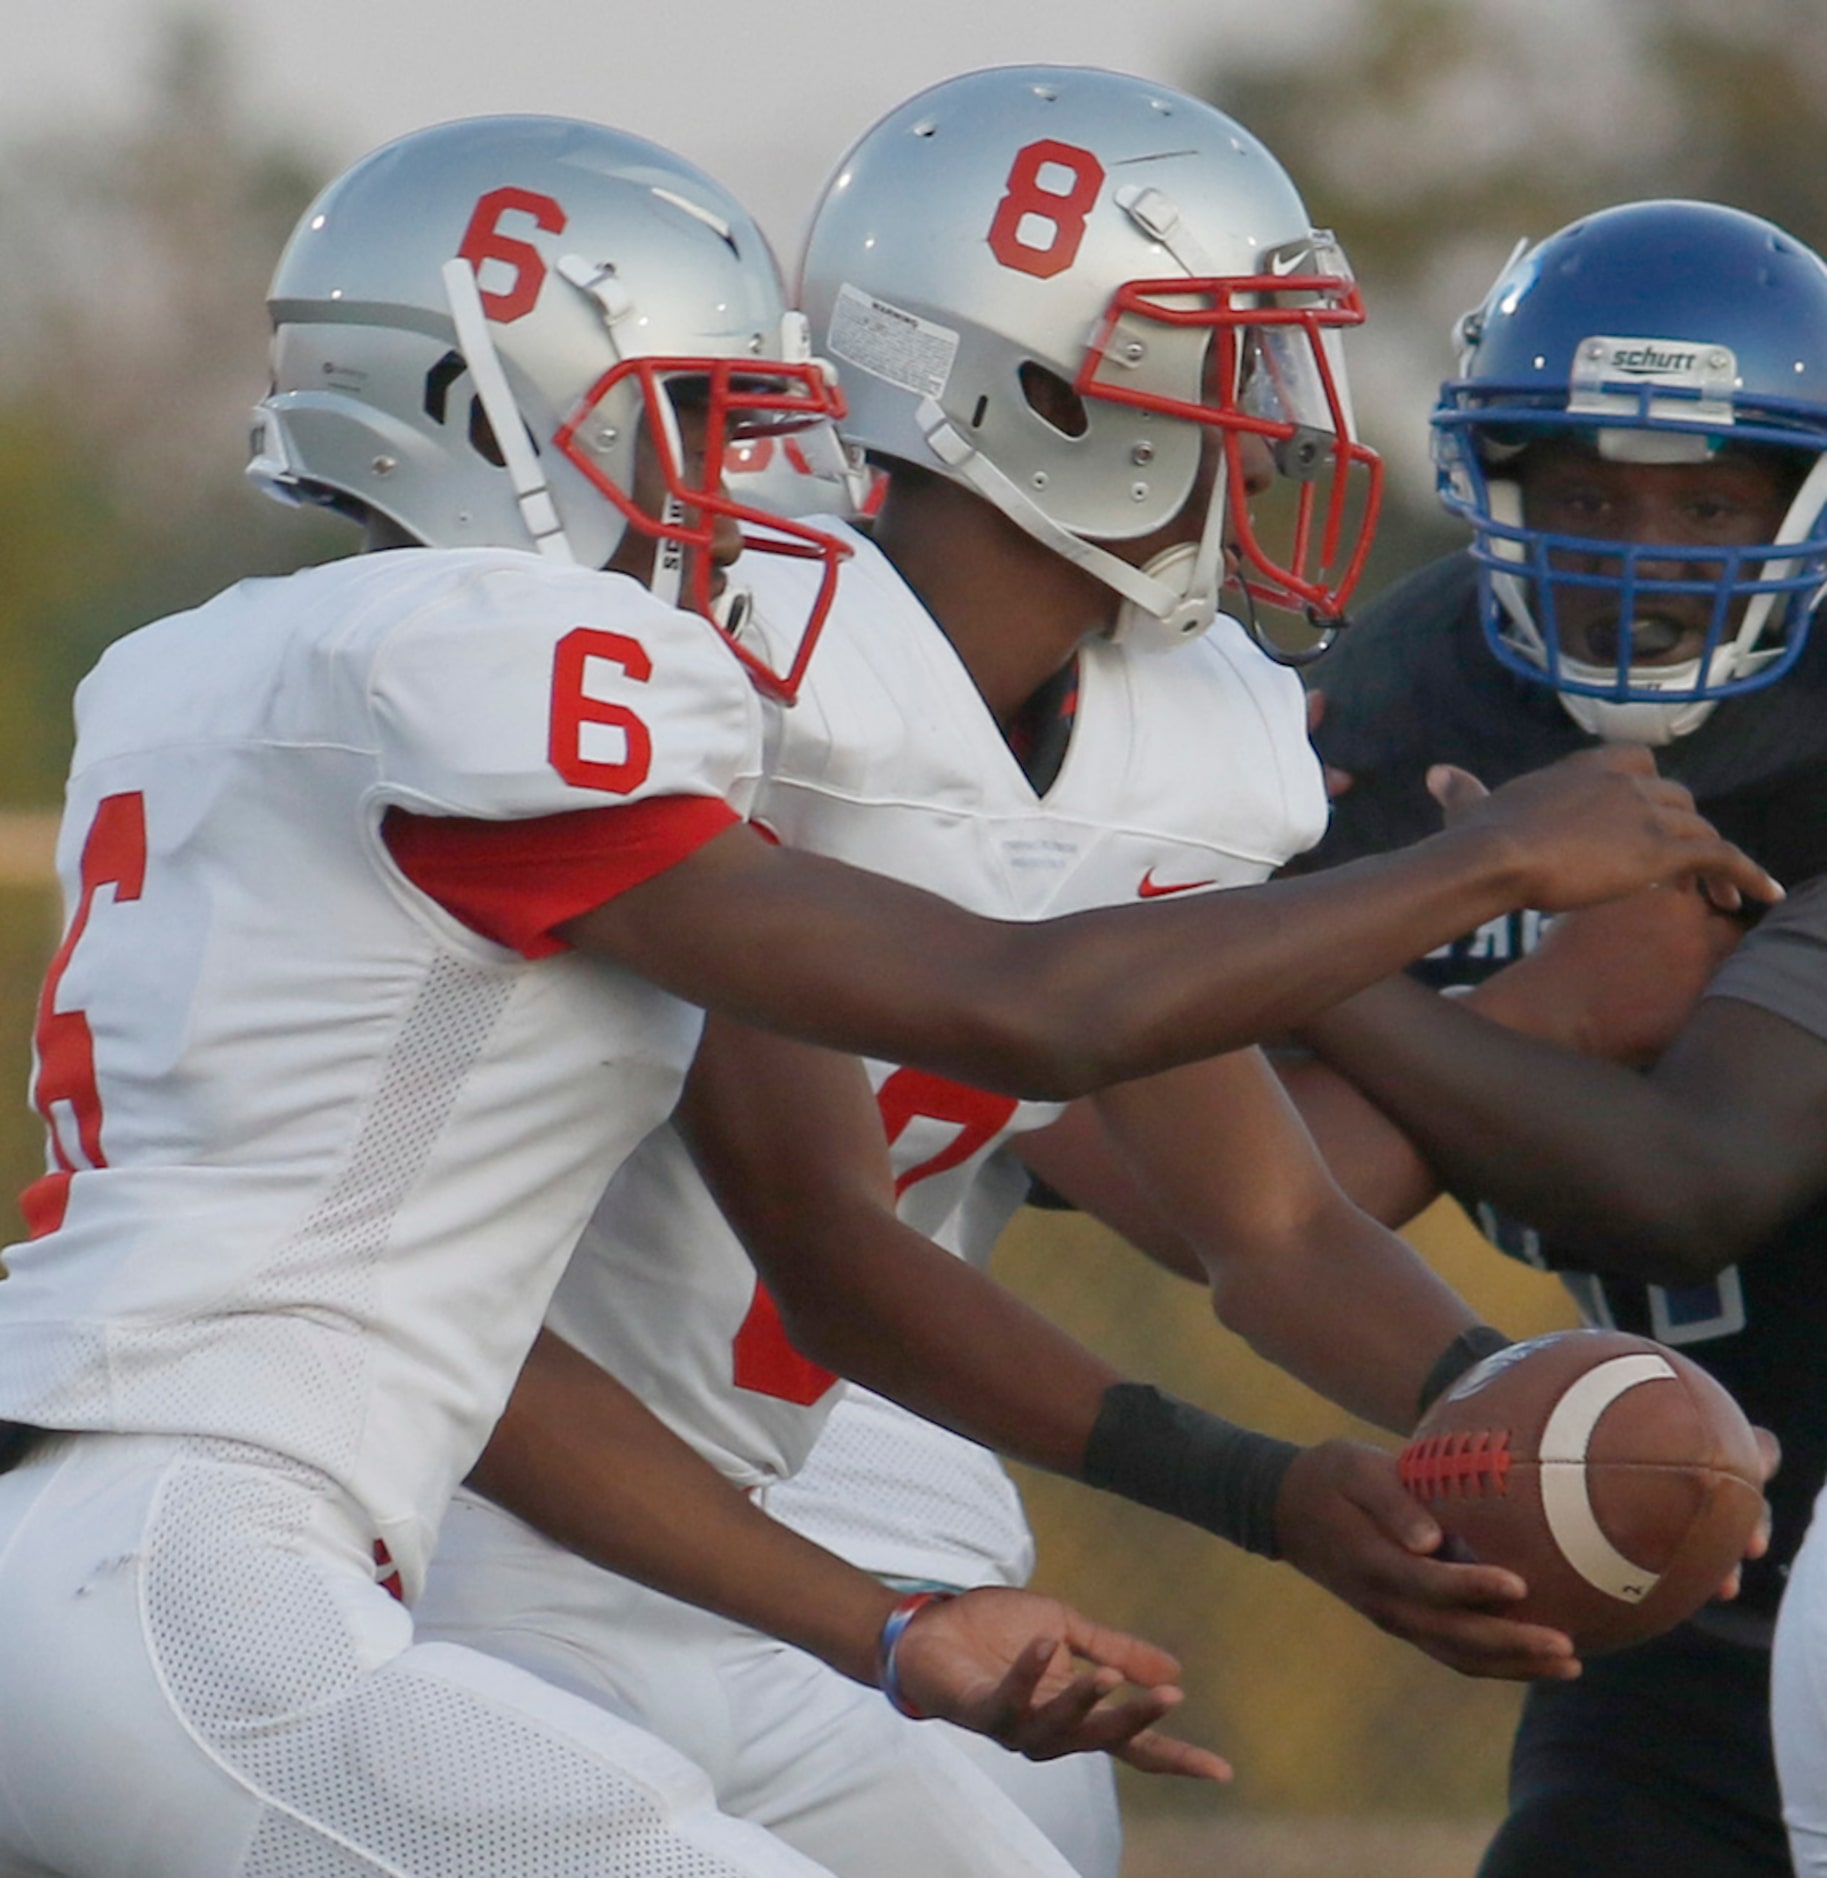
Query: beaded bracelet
column 887, row 1676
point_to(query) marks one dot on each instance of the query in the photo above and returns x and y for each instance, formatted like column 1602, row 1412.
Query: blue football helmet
column 1657, row 332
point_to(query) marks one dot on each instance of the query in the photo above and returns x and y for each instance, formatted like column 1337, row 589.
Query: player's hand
column 1346, row 1521
column 1618, row 980
column 1597, row 825
column 1034, row 1674
column 1759, row 1542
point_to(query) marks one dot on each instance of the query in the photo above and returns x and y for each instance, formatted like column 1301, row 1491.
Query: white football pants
column 200, row 1678
column 1798, row 1700
column 822, row 1762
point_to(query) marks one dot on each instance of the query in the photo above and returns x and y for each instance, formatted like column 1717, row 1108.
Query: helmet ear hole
column 1052, row 400
column 482, row 435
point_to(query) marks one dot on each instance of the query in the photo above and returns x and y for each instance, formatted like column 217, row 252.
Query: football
column 1615, row 1476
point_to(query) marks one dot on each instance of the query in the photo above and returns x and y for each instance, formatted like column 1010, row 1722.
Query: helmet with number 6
column 475, row 324
column 1659, row 333
column 1062, row 287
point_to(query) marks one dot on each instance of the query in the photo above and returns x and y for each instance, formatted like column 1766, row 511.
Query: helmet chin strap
column 1617, row 720
column 1194, row 571
column 531, row 490
column 668, row 576
column 1635, row 720
column 1172, row 610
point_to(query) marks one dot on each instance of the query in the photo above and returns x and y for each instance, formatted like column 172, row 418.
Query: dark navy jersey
column 1413, row 683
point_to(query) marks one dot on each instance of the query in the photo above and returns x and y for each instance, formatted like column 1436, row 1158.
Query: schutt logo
column 1648, row 358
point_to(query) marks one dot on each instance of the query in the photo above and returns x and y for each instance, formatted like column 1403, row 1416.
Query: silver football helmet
column 475, row 324
column 1150, row 258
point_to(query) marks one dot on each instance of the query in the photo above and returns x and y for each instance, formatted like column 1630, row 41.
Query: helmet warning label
column 889, row 343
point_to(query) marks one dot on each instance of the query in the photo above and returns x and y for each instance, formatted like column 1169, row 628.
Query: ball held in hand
column 1618, row 1479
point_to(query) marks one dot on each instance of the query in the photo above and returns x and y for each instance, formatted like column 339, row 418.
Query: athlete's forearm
column 581, row 1459
column 1076, row 1158
column 1615, row 1165
column 1384, row 1320
column 795, row 943
column 789, row 1140
column 863, row 1295
column 1055, row 1008
column 1375, row 1162
column 1311, row 1282
column 1222, row 971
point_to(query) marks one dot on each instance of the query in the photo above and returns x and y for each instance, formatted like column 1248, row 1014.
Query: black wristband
column 1178, row 1459
column 1471, row 1346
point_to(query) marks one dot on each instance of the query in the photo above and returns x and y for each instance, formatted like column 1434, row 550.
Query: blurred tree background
column 1431, row 134
column 1435, row 134
column 132, row 348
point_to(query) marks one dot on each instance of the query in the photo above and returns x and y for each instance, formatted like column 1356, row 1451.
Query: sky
column 765, row 94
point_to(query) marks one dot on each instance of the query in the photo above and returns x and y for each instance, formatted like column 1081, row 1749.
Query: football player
column 395, row 890
column 1012, row 706
column 1637, row 438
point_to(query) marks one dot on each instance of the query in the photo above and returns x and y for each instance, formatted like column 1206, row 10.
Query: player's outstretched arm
column 578, row 1456
column 1311, row 1282
column 1617, row 981
column 804, row 945
column 1670, row 1176
column 791, row 1144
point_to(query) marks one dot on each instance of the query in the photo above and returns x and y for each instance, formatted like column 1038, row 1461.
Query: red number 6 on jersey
column 114, row 855
column 573, row 707
column 1064, row 211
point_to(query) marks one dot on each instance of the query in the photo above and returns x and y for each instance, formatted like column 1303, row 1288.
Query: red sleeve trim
column 514, row 881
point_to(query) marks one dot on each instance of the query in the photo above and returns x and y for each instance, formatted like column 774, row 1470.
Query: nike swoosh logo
column 1152, row 889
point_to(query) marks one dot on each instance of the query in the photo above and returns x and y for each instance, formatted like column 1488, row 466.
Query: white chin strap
column 1187, row 571
column 531, row 490
column 1171, row 600
column 1613, row 719
column 1636, row 720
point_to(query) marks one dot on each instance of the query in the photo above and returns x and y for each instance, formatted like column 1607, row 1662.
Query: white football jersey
column 1186, row 769
column 319, row 1150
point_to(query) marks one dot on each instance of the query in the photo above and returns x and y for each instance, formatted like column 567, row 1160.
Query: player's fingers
column 1152, row 1752
column 1625, row 759
column 1105, row 1726
column 1770, row 1449
column 1399, row 1517
column 1480, row 1644
column 1728, row 876
column 1453, row 1585
column 1138, row 1660
column 1531, row 1667
column 1070, row 1719
column 1455, row 789
column 1371, row 1484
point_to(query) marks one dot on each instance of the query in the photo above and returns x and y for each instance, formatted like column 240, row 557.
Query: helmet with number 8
column 1026, row 224
column 1662, row 333
column 475, row 324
